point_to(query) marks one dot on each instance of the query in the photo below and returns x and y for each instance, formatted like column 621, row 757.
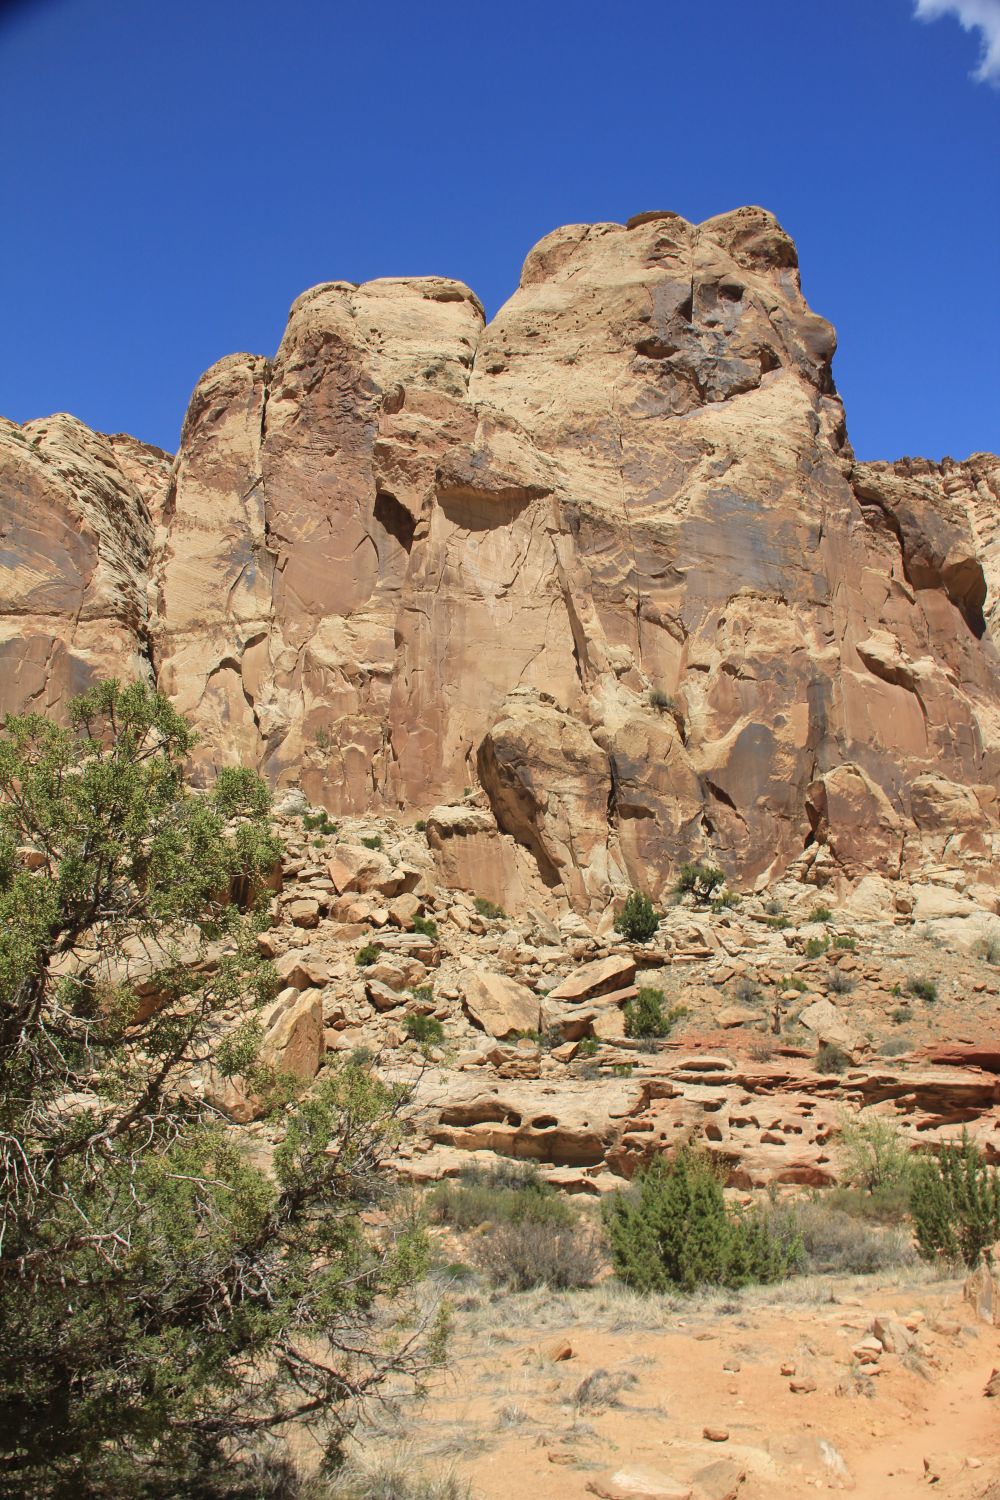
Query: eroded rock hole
column 395, row 519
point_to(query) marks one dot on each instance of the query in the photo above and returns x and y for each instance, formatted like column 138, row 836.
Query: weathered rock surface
column 608, row 559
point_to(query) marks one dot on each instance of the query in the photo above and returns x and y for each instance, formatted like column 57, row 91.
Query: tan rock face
column 608, row 559
column 76, row 522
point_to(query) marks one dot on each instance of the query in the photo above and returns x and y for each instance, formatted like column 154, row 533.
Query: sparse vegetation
column 379, row 1478
column 488, row 909
column 839, row 983
column 367, row 955
column 424, row 1029
column 637, row 921
column 747, row 991
column 646, row 1018
column 876, row 1157
column 373, row 841
column 845, row 941
column 988, row 948
column 832, row 1059
column 726, row 902
column 662, row 702
column 922, row 989
column 506, row 1194
column 955, row 1202
column 420, row 825
column 318, row 822
column 902, row 1014
column 700, row 881
column 673, row 1230
column 589, row 1047
column 425, row 927
column 526, row 1254
column 815, row 947
column 833, row 1241
column 820, row 914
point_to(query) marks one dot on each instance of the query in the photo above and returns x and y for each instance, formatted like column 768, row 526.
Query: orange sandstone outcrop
column 607, row 559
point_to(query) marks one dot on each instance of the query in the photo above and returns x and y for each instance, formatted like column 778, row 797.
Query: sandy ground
column 645, row 1378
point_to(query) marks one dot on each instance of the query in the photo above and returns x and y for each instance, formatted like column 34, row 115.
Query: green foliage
column 662, row 702
column 923, row 989
column 506, row 1194
column 820, row 914
column 320, row 821
column 525, row 1255
column 876, row 1156
column 488, row 909
column 835, row 1240
column 815, row 947
column 423, row 992
column 163, row 1302
column 778, row 923
column 424, row 1029
column 589, row 1047
column 373, row 842
column 421, row 825
column 368, row 954
column 646, row 1018
column 725, row 902
column 845, row 941
column 622, row 1070
column 955, row 1202
column 832, row 1059
column 672, row 1230
column 902, row 1014
column 700, row 881
column 793, row 982
column 425, row 927
column 637, row 921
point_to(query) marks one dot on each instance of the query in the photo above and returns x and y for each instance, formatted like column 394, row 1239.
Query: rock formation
column 606, row 564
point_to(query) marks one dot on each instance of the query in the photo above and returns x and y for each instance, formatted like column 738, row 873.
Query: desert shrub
column 589, row 1047
column 700, row 881
column 367, row 955
column 426, row 927
column 833, row 1241
column 840, row 984
column 832, row 1059
column 901, row 1014
column 525, row 1254
column 725, row 902
column 660, row 701
column 876, row 1155
column 793, row 982
column 422, row 992
column 319, row 821
column 895, row 1046
column 988, row 948
column 747, row 991
column 922, row 988
column 380, row 1478
column 846, row 942
column 488, row 909
column 815, row 947
column 420, row 826
column 505, row 1194
column 637, row 921
column 602, row 1388
column 772, row 908
column 778, row 923
column 622, row 1070
column 374, row 841
column 645, row 1017
column 672, row 1229
column 425, row 1029
column 820, row 914
column 955, row 1202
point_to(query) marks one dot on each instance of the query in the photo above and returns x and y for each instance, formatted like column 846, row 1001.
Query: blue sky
column 177, row 171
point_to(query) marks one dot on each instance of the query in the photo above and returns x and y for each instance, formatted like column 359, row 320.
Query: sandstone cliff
column 606, row 563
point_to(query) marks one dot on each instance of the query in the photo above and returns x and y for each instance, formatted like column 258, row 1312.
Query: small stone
column 802, row 1385
column 715, row 1434
column 788, row 1368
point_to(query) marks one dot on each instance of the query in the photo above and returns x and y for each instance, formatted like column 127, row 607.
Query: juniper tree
column 165, row 1305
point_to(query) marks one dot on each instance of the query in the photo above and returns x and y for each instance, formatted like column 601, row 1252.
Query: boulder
column 497, row 1004
column 616, row 972
column 294, row 1041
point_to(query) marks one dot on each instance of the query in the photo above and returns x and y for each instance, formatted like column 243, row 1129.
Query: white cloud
column 975, row 15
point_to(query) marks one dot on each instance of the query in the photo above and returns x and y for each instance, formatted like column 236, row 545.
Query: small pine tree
column 637, row 921
column 955, row 1203
column 673, row 1230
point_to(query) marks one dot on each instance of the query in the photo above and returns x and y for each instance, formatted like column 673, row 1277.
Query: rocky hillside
column 606, row 564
